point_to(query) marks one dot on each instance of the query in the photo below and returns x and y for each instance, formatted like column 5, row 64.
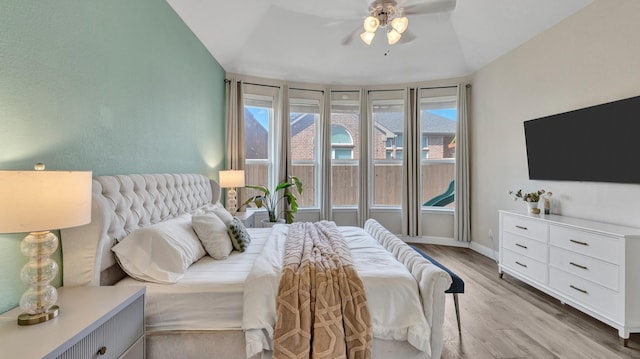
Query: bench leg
column 455, row 301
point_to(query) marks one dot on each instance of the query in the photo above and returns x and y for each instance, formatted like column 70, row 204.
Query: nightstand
column 94, row 322
column 246, row 218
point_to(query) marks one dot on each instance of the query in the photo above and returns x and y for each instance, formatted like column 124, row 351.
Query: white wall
column 590, row 58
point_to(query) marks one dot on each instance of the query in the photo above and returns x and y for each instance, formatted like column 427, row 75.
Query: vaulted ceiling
column 318, row 41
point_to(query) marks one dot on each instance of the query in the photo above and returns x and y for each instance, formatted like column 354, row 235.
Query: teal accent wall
column 118, row 86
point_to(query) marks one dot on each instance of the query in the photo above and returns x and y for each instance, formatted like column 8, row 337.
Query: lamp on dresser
column 36, row 202
column 231, row 179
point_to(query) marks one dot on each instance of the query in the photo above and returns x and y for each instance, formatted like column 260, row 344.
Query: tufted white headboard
column 121, row 204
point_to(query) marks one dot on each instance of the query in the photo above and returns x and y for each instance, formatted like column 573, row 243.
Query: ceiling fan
column 389, row 15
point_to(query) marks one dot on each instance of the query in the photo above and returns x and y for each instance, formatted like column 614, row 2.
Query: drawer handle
column 578, row 242
column 521, row 246
column 578, row 289
column 520, row 264
column 578, row 265
column 521, row 227
column 102, row 351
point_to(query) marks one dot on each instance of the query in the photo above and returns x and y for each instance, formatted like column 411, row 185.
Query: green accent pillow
column 239, row 236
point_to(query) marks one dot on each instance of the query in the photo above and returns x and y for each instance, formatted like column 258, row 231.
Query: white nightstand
column 247, row 218
column 91, row 320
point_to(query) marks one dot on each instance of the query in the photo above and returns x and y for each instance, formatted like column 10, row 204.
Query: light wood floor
column 506, row 318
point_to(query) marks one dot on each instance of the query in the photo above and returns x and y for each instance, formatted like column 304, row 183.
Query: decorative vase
column 532, row 207
column 547, row 206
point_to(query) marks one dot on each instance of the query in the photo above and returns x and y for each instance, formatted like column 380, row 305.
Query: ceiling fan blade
column 352, row 35
column 407, row 37
column 430, row 7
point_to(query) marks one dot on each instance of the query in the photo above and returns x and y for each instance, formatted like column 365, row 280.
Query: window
column 387, row 109
column 425, row 146
column 383, row 121
column 259, row 125
column 341, row 143
column 304, row 116
column 438, row 117
column 345, row 137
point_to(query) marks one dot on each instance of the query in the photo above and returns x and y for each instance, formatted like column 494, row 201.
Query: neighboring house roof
column 300, row 121
column 431, row 123
column 258, row 137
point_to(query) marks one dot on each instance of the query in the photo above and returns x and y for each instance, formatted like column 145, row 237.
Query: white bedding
column 392, row 292
column 123, row 203
column 208, row 297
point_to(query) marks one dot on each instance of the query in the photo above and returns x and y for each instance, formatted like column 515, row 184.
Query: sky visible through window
column 448, row 113
column 261, row 115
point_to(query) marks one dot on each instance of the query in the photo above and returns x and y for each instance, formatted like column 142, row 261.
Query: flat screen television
column 599, row 143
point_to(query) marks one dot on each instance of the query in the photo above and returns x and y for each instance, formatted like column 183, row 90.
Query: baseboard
column 445, row 241
column 485, row 251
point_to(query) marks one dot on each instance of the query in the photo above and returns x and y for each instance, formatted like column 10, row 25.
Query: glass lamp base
column 30, row 319
column 232, row 201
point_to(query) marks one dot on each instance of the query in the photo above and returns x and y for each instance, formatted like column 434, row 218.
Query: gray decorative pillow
column 239, row 235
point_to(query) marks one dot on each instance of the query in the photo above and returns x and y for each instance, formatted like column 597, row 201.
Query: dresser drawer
column 136, row 351
column 590, row 244
column 591, row 295
column 116, row 335
column 525, row 266
column 525, row 246
column 525, row 227
column 589, row 268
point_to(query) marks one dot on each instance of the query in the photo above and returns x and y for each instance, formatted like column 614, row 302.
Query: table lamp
column 36, row 202
column 231, row 179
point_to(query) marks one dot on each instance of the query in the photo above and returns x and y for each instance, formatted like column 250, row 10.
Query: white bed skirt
column 231, row 344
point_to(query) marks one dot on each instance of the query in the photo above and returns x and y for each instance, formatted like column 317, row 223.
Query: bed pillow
column 207, row 208
column 161, row 252
column 217, row 209
column 213, row 234
column 223, row 214
column 239, row 235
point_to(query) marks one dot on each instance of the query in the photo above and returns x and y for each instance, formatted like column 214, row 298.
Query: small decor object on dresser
column 547, row 203
column 531, row 199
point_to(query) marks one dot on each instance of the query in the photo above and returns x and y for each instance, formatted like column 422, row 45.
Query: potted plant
column 530, row 198
column 270, row 199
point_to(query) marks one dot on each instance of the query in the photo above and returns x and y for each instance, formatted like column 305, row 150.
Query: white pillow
column 161, row 252
column 213, row 235
column 220, row 211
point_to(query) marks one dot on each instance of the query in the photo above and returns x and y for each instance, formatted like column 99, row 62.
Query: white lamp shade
column 231, row 178
column 400, row 24
column 32, row 201
column 367, row 37
column 371, row 24
column 393, row 36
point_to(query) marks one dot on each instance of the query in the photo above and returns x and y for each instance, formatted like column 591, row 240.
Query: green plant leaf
column 262, row 189
column 269, row 200
column 292, row 201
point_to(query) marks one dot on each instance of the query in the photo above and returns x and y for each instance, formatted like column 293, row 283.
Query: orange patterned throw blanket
column 322, row 310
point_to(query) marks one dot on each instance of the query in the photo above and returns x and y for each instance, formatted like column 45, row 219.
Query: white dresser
column 94, row 322
column 592, row 266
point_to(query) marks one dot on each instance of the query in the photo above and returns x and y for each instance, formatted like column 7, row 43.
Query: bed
column 205, row 313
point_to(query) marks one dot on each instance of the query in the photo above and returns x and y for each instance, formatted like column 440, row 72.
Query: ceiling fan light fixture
column 393, row 36
column 367, row 37
column 371, row 24
column 400, row 24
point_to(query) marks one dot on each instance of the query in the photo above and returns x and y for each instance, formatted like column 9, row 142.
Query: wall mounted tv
column 599, row 143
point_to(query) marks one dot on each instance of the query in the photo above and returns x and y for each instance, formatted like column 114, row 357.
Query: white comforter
column 392, row 292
